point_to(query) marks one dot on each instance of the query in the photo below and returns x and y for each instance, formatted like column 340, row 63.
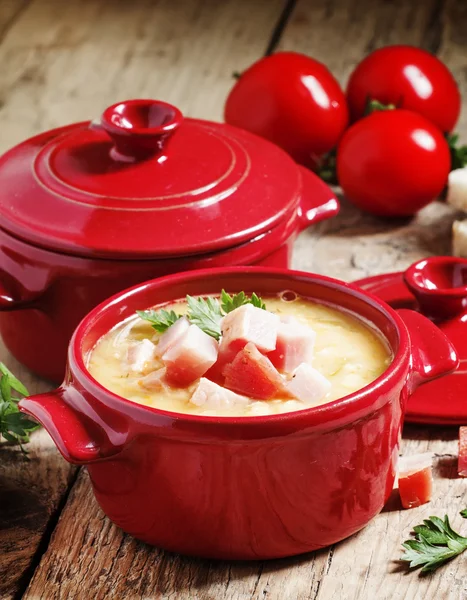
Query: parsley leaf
column 206, row 313
column 161, row 319
column 230, row 303
column 15, row 426
column 463, row 513
column 435, row 543
column 13, row 381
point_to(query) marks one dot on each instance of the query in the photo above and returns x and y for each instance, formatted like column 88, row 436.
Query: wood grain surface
column 65, row 61
column 31, row 495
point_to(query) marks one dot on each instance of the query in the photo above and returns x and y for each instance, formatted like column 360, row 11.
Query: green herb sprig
column 230, row 303
column 206, row 313
column 161, row 320
column 435, row 543
column 15, row 426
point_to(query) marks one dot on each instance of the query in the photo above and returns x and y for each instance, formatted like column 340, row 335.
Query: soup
column 347, row 355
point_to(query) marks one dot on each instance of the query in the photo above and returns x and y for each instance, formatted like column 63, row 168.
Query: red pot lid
column 145, row 182
column 437, row 288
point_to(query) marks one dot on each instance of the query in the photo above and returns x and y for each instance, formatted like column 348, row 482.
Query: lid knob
column 140, row 128
column 439, row 284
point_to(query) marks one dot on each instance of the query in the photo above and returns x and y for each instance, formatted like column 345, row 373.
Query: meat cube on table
column 173, row 333
column 139, row 354
column 249, row 324
column 210, row 395
column 253, row 374
column 193, row 353
column 415, row 479
column 462, row 460
column 308, row 385
column 294, row 345
column 456, row 194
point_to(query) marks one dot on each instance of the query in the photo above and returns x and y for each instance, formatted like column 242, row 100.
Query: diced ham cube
column 462, row 460
column 308, row 385
column 193, row 353
column 253, row 374
column 249, row 324
column 210, row 395
column 294, row 345
column 139, row 354
column 239, row 328
column 415, row 479
column 154, row 380
column 173, row 333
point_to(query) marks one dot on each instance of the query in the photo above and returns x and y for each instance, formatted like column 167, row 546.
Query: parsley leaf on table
column 435, row 543
column 15, row 426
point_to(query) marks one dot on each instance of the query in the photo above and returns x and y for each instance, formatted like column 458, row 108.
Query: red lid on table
column 145, row 182
column 437, row 288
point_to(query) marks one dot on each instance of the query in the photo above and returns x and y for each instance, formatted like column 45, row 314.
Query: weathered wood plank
column 67, row 61
column 355, row 245
column 340, row 32
column 119, row 567
column 87, row 555
column 10, row 11
column 30, row 490
column 30, row 494
column 109, row 564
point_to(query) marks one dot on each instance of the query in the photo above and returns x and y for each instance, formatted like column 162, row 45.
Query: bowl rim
column 364, row 398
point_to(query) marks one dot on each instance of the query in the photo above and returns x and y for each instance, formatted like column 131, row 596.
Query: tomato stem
column 375, row 105
column 327, row 167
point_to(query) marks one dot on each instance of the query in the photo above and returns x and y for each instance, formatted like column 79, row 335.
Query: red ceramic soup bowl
column 90, row 209
column 252, row 487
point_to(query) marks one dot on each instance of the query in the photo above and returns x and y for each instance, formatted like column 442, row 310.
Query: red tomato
column 392, row 163
column 409, row 78
column 293, row 101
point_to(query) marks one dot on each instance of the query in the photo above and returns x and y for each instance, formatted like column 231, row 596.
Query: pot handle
column 318, row 202
column 432, row 352
column 79, row 439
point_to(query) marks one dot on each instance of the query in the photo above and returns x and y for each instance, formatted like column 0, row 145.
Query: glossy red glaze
column 293, row 101
column 140, row 128
column 67, row 250
column 241, row 488
column 145, row 183
column 439, row 284
column 377, row 158
column 435, row 287
column 409, row 78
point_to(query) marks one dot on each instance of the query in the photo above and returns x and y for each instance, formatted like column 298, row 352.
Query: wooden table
column 66, row 61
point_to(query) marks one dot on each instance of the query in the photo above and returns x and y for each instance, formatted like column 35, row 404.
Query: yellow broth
column 348, row 352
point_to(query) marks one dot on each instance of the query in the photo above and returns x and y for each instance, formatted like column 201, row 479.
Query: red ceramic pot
column 242, row 488
column 88, row 210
